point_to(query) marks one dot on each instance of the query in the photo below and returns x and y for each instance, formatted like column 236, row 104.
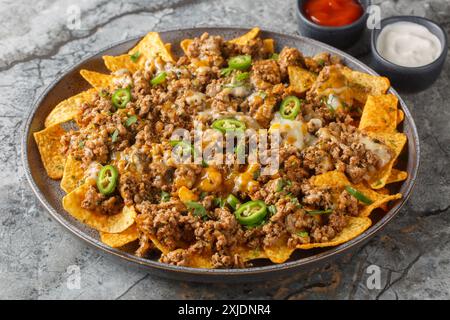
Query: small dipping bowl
column 340, row 37
column 409, row 79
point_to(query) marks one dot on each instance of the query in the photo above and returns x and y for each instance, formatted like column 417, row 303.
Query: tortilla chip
column 204, row 260
column 68, row 109
column 49, row 144
column 300, row 80
column 380, row 200
column 100, row 222
column 280, row 252
column 380, row 113
column 338, row 181
column 151, row 46
column 400, row 116
column 97, row 80
column 124, row 61
column 244, row 39
column 117, row 240
column 369, row 84
column 185, row 45
column 269, row 46
column 355, row 226
column 169, row 50
column 395, row 141
column 73, row 174
column 115, row 63
column 397, row 176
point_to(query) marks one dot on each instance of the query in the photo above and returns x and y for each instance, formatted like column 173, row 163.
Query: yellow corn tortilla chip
column 244, row 39
column 152, row 46
column 355, row 226
column 117, row 240
column 400, row 116
column 397, row 176
column 395, row 141
column 115, row 63
column 338, row 180
column 68, row 109
column 100, row 222
column 73, row 174
column 124, row 61
column 300, row 80
column 369, row 84
column 379, row 113
column 97, row 80
column 269, row 45
column 49, row 144
column 280, row 252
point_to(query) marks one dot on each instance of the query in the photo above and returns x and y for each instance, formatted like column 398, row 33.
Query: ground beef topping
column 182, row 209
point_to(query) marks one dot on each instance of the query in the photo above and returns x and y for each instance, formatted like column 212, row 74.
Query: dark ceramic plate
column 50, row 194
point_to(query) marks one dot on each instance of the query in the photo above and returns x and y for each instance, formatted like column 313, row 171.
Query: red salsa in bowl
column 333, row 13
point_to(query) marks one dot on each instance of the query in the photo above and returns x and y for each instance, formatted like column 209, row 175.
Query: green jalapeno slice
column 121, row 97
column 242, row 62
column 251, row 213
column 290, row 107
column 107, row 179
column 158, row 79
column 227, row 125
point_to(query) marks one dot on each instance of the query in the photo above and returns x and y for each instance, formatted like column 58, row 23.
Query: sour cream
column 408, row 44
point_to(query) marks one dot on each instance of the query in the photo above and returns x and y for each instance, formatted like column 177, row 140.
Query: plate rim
column 275, row 268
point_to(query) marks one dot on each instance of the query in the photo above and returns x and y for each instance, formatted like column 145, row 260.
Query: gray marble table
column 39, row 39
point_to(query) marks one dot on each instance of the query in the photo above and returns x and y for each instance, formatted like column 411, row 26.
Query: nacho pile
column 339, row 146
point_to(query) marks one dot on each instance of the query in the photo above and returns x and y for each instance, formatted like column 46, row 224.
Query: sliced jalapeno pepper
column 121, row 97
column 107, row 179
column 232, row 201
column 358, row 195
column 251, row 213
column 290, row 107
column 242, row 62
column 159, row 78
column 227, row 125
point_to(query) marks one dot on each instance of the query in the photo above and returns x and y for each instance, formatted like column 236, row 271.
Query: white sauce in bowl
column 408, row 44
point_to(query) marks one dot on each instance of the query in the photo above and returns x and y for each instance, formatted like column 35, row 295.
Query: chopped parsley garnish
column 302, row 233
column 219, row 202
column 243, row 76
column 274, row 56
column 130, row 120
column 135, row 56
column 225, row 72
column 272, row 209
column 165, row 196
column 199, row 210
column 115, row 135
column 281, row 183
column 316, row 212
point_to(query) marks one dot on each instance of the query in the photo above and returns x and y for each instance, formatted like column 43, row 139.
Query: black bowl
column 409, row 79
column 339, row 37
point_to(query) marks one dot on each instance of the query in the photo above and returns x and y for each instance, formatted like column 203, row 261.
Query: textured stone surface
column 413, row 252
